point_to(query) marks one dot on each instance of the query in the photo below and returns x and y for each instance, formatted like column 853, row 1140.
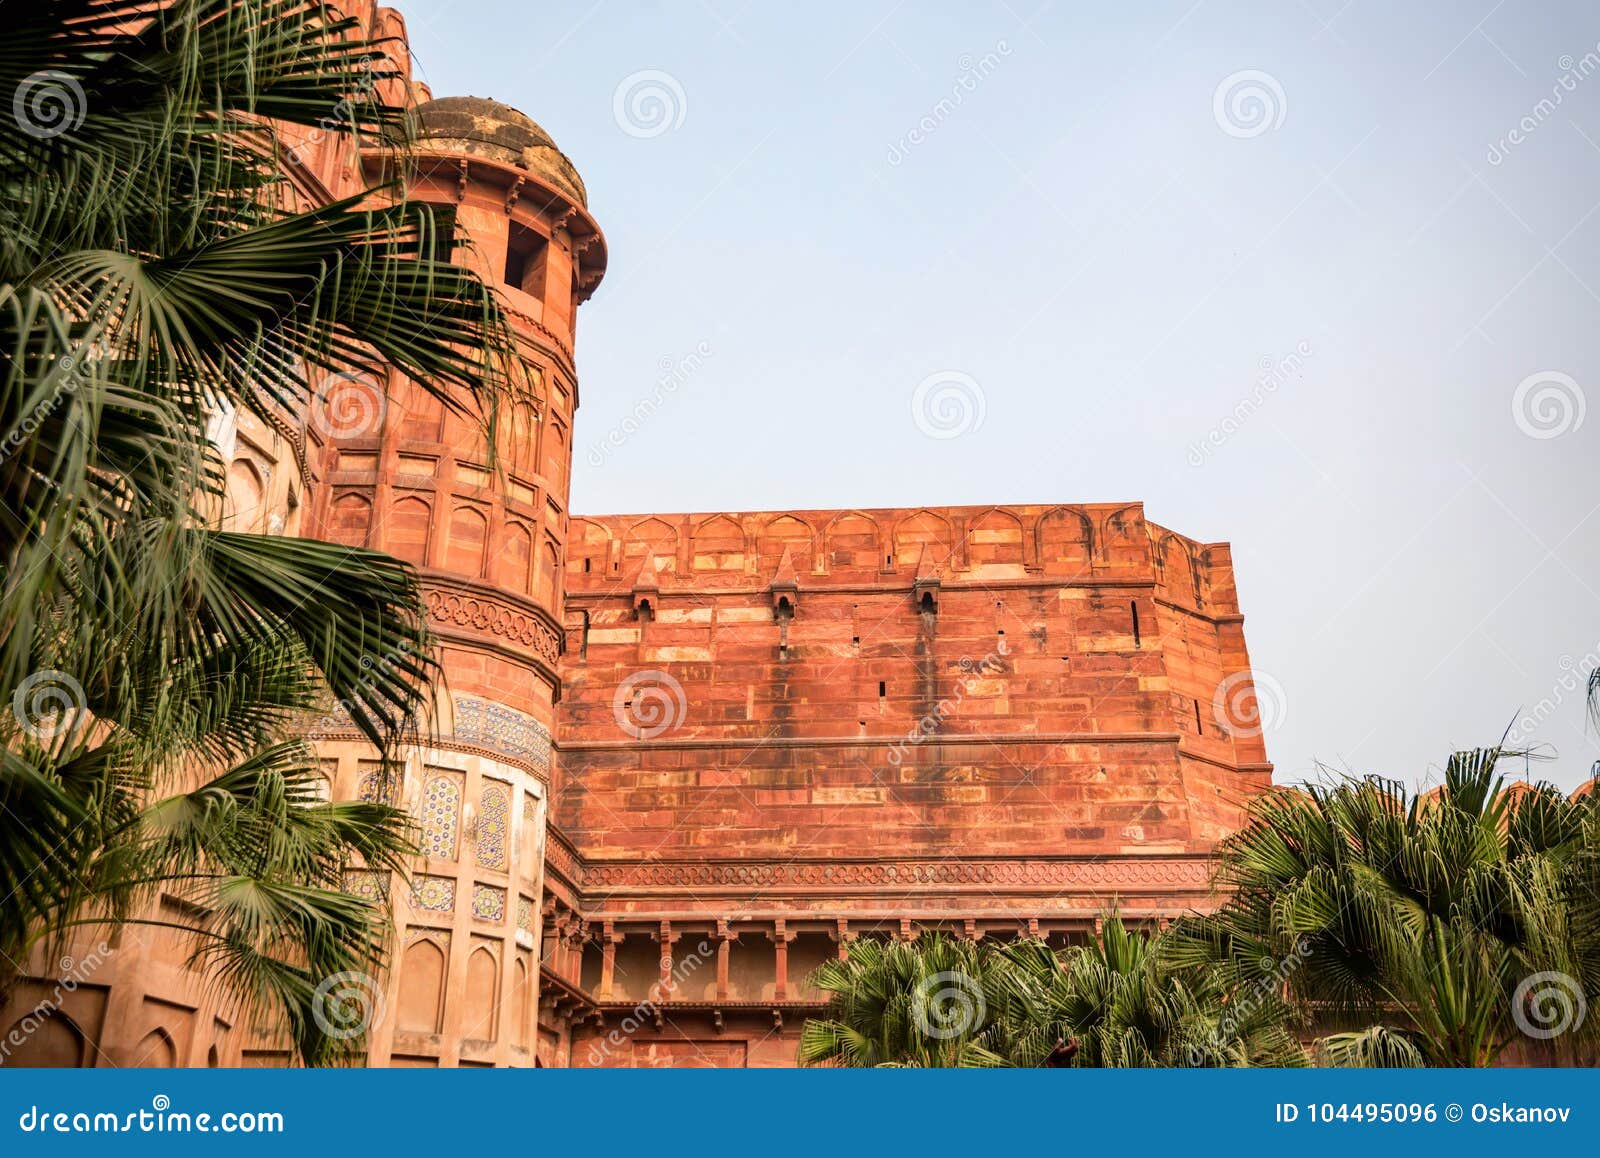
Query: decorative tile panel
column 433, row 894
column 378, row 785
column 494, row 826
column 502, row 729
column 441, row 816
column 524, row 915
column 488, row 903
column 368, row 885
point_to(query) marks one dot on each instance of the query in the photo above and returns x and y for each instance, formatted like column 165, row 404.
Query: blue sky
column 1099, row 225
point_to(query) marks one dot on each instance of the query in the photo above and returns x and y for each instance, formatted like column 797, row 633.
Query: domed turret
column 481, row 127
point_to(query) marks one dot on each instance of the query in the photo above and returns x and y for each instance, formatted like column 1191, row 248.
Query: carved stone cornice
column 1182, row 873
column 476, row 613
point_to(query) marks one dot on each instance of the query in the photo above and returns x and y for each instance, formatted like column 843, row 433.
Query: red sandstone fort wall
column 954, row 681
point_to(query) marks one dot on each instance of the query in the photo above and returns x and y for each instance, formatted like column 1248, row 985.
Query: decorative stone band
column 504, row 730
column 520, row 627
column 1161, row 873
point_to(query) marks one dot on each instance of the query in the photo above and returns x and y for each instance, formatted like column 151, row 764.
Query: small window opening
column 1134, row 607
column 586, row 566
column 883, row 689
column 1199, row 731
column 927, row 602
column 785, row 609
column 645, row 611
column 525, row 254
column 441, row 240
column 888, row 560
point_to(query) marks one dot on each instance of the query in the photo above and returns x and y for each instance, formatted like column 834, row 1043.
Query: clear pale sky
column 1111, row 251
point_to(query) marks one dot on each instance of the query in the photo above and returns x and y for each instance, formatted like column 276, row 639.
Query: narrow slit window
column 883, row 689
column 1134, row 607
column 441, row 239
column 525, row 254
column 1198, row 730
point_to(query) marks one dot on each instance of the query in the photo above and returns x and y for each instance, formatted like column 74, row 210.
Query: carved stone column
column 780, row 939
column 666, row 937
column 608, row 959
column 725, row 939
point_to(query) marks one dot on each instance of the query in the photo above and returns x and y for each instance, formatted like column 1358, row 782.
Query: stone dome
column 481, row 127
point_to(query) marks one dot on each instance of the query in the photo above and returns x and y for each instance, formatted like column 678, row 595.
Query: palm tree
column 1438, row 928
column 1111, row 1003
column 934, row 1002
column 1118, row 1003
column 153, row 271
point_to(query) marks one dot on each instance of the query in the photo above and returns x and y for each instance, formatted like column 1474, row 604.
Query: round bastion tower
column 487, row 535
